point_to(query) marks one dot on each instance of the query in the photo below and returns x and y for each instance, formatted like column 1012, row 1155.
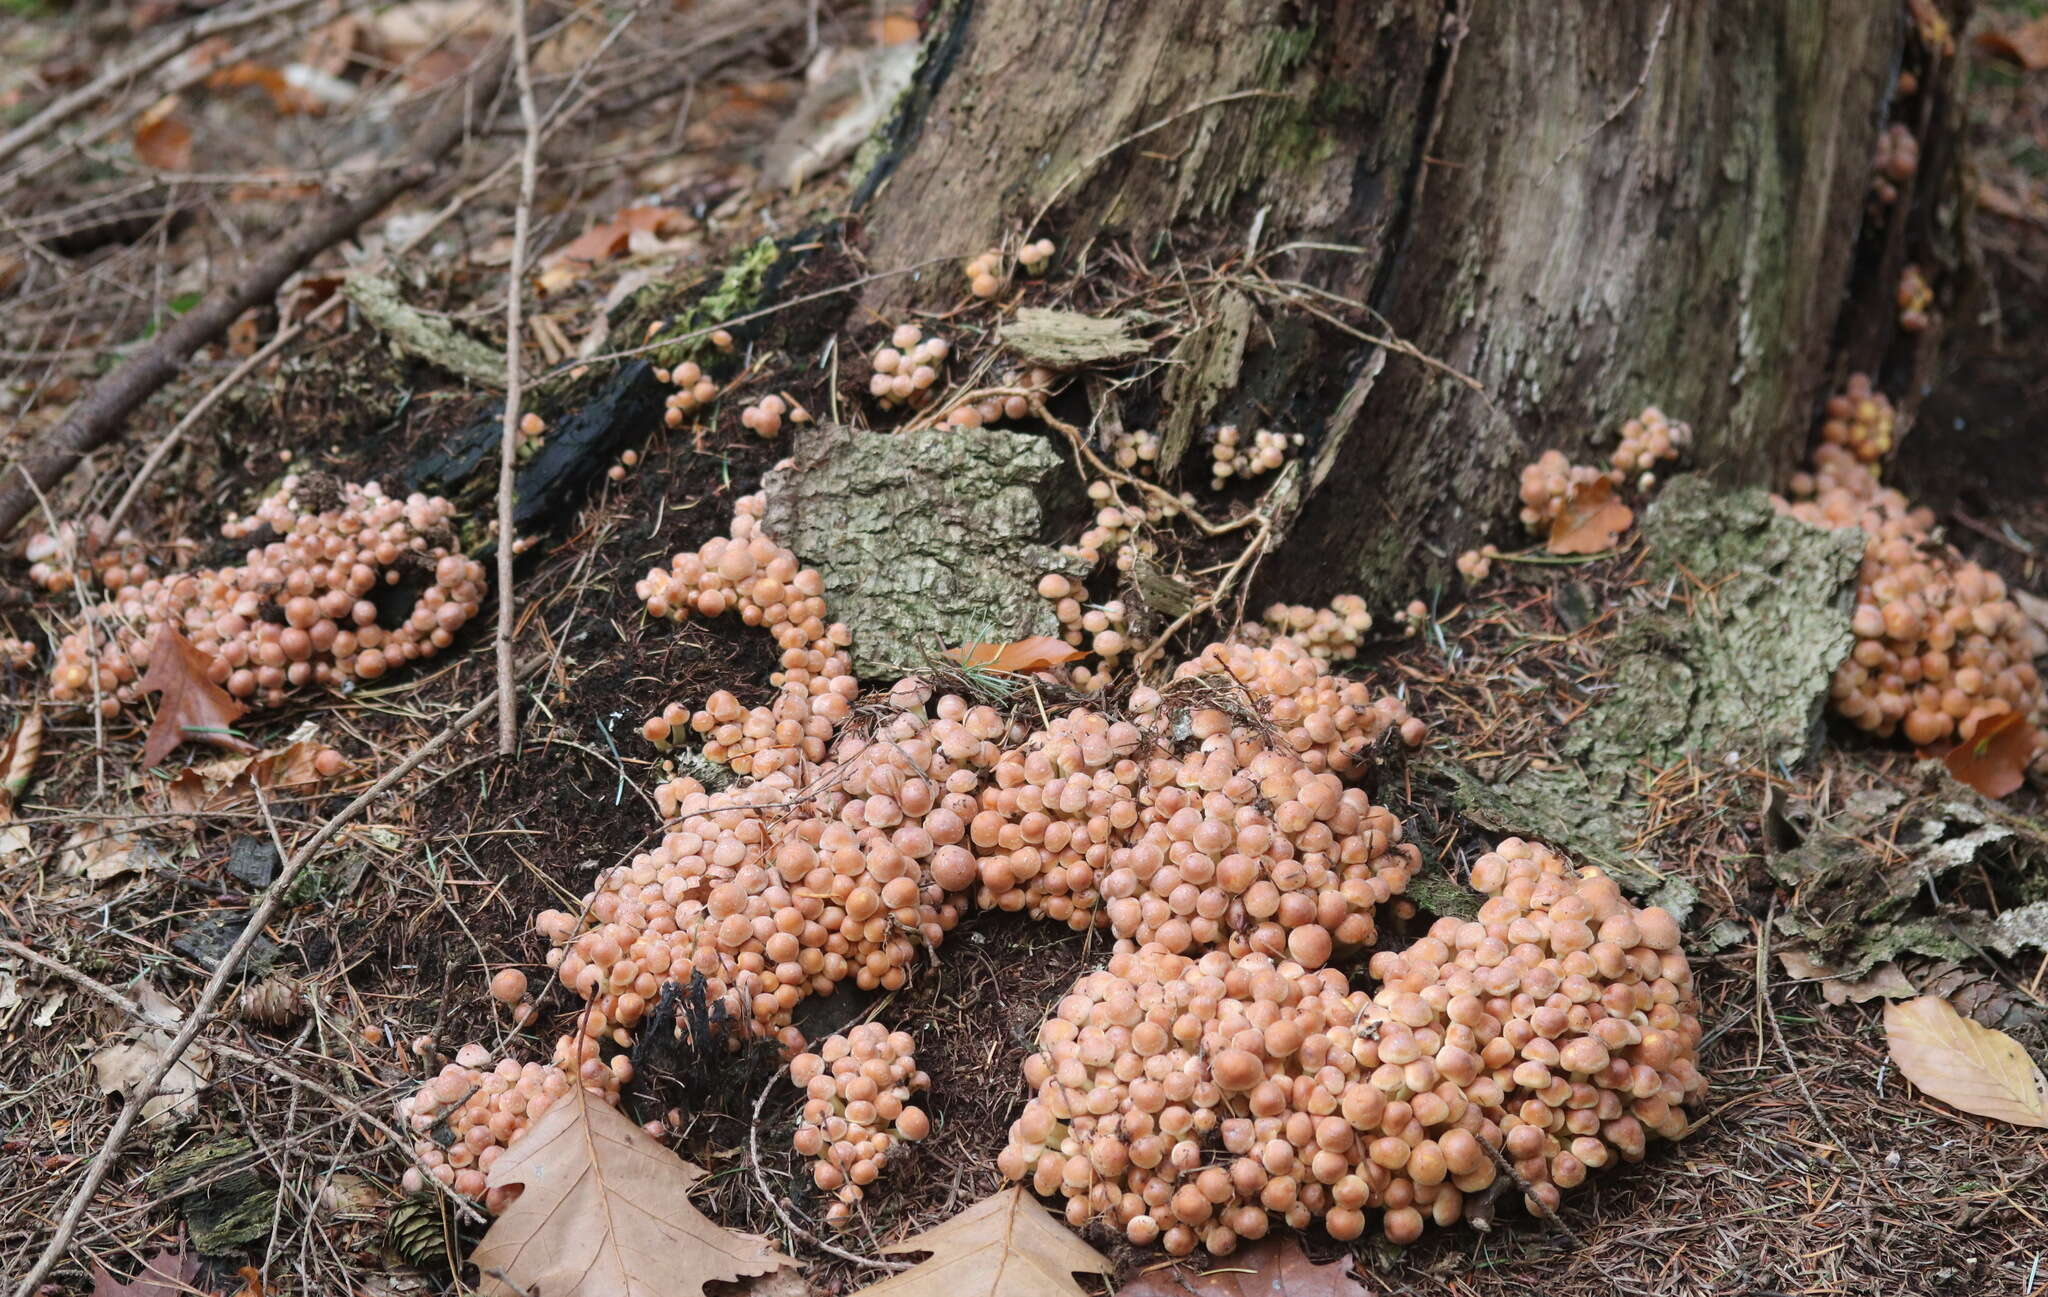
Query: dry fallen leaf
column 605, row 1212
column 126, row 1066
column 1034, row 653
column 162, row 139
column 191, row 706
column 1003, row 1246
column 1272, row 1267
column 285, row 97
column 638, row 230
column 1965, row 1065
column 1994, row 759
column 167, row 1274
column 1591, row 521
column 17, row 766
column 2026, row 44
column 229, row 782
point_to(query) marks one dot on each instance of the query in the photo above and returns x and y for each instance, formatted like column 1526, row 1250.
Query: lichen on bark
column 925, row 539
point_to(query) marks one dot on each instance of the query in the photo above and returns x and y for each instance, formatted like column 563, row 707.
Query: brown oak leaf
column 1993, row 760
column 1271, row 1267
column 1005, row 1245
column 167, row 1274
column 190, row 706
column 604, row 1211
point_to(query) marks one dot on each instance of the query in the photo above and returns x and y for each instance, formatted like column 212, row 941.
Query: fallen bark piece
column 924, row 539
column 416, row 333
column 1069, row 339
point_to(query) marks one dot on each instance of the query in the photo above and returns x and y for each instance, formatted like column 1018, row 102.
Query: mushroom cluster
column 906, row 369
column 1860, row 419
column 747, row 572
column 298, row 610
column 985, row 275
column 1475, row 565
column 1915, row 300
column 1134, row 450
column 857, row 1110
column 764, row 417
column 464, row 1117
column 1114, row 526
column 1100, row 628
column 15, row 653
column 1232, row 456
column 1940, row 649
column 1192, row 1100
column 1548, row 486
column 58, row 558
column 1332, row 634
column 1646, row 441
column 1017, row 388
column 1329, row 721
column 1898, row 160
column 694, row 391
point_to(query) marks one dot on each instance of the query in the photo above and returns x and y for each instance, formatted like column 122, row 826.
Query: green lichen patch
column 925, row 539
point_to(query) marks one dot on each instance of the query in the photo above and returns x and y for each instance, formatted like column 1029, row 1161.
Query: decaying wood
column 1553, row 217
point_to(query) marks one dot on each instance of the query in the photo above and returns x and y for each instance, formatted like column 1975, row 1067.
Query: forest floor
column 1812, row 1167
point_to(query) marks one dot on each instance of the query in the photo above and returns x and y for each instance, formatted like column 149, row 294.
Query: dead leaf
column 191, row 706
column 1591, row 520
column 1272, row 1267
column 1994, row 759
column 638, row 230
column 17, row 766
column 1976, row 1069
column 2026, row 45
column 1005, row 1245
column 230, row 782
column 252, row 1281
column 127, row 1066
column 1024, row 656
column 98, row 853
column 604, row 1211
column 167, row 1274
column 162, row 139
column 285, row 97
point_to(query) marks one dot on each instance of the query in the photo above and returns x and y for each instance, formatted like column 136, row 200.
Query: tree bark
column 1583, row 209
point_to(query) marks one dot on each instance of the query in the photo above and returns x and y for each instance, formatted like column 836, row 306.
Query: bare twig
column 100, row 414
column 66, row 107
column 216, row 987
column 508, row 439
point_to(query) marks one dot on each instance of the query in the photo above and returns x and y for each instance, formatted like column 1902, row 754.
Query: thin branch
column 508, row 438
column 216, row 987
column 102, row 412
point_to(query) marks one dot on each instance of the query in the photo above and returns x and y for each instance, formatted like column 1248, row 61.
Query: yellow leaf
column 1003, row 1246
column 604, row 1211
column 1034, row 653
column 1965, row 1065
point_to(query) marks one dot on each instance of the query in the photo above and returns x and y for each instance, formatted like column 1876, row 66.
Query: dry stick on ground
column 100, row 414
column 216, row 986
column 217, row 23
column 508, row 439
column 277, row 1069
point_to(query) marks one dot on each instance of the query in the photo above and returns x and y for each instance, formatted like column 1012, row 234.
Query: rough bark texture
column 1586, row 209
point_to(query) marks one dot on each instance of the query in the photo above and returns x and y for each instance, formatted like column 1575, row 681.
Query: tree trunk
column 1570, row 211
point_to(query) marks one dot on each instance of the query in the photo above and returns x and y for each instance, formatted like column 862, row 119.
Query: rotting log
column 1582, row 209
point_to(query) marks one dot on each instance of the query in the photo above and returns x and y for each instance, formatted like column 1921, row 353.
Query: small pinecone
column 417, row 1233
column 276, row 1001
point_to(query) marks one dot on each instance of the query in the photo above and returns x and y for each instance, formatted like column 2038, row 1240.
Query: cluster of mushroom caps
column 483, row 1107
column 984, row 273
column 1232, row 456
column 298, row 610
column 58, row 558
column 1551, row 484
column 1332, row 634
column 1941, row 651
column 1859, row 419
column 1192, row 1100
column 694, row 390
column 748, row 573
column 1647, row 440
column 1898, row 160
column 857, row 1110
column 906, row 369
